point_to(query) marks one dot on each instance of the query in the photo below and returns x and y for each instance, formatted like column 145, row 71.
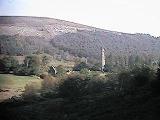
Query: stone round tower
column 102, row 58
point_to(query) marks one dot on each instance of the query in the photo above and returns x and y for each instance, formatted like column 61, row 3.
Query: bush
column 30, row 91
column 73, row 87
column 155, row 86
column 96, row 86
column 49, row 82
column 124, row 79
column 138, row 77
column 142, row 76
column 78, row 86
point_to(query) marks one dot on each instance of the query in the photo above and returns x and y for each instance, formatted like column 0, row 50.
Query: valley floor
column 12, row 85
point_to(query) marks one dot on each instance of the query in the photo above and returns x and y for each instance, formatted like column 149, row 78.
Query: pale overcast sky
column 131, row 16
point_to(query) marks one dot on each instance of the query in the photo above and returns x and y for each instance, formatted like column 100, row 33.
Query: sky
column 129, row 16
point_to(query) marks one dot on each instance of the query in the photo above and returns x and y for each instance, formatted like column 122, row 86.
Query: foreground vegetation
column 129, row 95
column 84, row 93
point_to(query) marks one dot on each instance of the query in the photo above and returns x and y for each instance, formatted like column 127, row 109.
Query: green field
column 13, row 81
column 15, row 84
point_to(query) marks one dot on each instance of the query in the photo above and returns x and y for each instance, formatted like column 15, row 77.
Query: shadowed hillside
column 90, row 43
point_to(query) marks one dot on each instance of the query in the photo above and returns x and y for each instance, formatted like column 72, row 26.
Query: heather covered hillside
column 24, row 35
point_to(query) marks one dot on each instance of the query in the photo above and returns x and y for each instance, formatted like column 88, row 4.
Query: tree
column 46, row 59
column 124, row 80
column 96, row 86
column 32, row 63
column 2, row 66
column 60, row 70
column 138, row 60
column 8, row 64
column 155, row 84
column 31, row 66
column 73, row 87
column 131, row 61
column 141, row 75
column 138, row 77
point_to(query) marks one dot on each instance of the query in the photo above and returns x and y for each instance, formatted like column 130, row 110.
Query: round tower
column 102, row 58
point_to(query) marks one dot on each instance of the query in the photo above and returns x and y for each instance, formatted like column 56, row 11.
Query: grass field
column 12, row 85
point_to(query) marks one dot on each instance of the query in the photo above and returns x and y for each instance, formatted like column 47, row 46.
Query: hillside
column 25, row 35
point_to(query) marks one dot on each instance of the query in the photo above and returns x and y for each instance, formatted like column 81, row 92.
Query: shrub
column 30, row 90
column 155, row 86
column 96, row 86
column 49, row 82
column 73, row 87
column 138, row 77
column 142, row 76
column 78, row 86
column 124, row 79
